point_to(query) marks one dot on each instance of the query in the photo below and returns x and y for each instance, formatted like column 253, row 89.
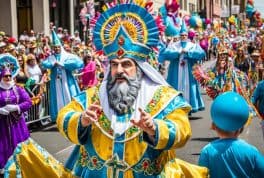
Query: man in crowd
column 183, row 55
column 63, row 85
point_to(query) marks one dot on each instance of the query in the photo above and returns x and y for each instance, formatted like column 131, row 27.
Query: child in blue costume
column 230, row 156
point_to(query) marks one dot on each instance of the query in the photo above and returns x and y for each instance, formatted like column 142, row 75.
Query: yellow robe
column 131, row 155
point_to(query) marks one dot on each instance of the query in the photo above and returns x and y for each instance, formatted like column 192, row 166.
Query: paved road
column 60, row 148
column 202, row 135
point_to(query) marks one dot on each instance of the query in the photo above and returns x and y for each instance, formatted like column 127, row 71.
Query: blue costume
column 258, row 97
column 232, row 158
column 63, row 85
column 180, row 69
column 258, row 100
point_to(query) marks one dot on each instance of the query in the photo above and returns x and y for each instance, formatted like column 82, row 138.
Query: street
column 60, row 148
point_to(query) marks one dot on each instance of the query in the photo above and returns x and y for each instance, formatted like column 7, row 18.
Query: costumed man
column 223, row 77
column 63, row 85
column 258, row 101
column 172, row 24
column 14, row 103
column 130, row 125
column 183, row 56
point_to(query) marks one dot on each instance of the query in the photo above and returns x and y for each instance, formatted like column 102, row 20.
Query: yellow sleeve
column 173, row 131
column 68, row 121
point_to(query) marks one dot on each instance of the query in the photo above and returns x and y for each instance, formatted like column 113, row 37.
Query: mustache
column 121, row 76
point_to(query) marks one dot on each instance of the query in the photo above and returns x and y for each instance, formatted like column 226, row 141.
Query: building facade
column 189, row 6
column 19, row 15
column 209, row 8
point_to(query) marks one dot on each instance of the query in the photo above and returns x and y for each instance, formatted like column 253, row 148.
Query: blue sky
column 259, row 5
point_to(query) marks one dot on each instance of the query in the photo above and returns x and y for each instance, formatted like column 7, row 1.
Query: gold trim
column 128, row 26
column 128, row 52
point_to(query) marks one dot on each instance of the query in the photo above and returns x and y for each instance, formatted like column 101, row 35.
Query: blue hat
column 9, row 62
column 183, row 28
column 229, row 111
column 123, row 46
column 55, row 39
column 126, row 30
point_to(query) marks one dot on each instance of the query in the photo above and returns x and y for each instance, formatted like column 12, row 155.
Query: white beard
column 7, row 85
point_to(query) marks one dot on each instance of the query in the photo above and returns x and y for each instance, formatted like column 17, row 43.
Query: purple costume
column 13, row 128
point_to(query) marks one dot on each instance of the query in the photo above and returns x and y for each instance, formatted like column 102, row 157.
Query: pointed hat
column 55, row 39
column 183, row 28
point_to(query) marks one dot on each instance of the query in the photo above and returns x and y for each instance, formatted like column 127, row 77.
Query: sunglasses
column 6, row 76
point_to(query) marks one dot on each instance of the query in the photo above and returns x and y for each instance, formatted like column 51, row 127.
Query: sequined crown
column 126, row 30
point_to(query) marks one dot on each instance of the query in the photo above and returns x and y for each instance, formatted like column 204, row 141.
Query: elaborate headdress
column 126, row 30
column 8, row 63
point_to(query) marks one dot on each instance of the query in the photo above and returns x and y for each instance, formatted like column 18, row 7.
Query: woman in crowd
column 241, row 61
column 223, row 77
column 14, row 102
column 21, row 77
column 33, row 71
column 88, row 74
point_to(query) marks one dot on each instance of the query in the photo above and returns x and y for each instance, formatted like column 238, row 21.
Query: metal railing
column 39, row 111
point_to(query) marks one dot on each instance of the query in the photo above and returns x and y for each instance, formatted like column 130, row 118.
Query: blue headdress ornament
column 126, row 30
column 183, row 28
column 9, row 63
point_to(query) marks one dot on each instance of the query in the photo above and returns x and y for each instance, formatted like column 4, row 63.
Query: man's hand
column 91, row 114
column 145, row 122
column 57, row 64
column 184, row 51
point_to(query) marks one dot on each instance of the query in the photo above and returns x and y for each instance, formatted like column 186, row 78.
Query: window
column 192, row 8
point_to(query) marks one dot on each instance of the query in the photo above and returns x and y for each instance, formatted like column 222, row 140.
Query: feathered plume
column 87, row 11
column 206, row 81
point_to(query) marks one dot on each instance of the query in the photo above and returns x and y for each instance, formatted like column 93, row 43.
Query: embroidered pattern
column 92, row 163
column 131, row 131
column 162, row 95
column 105, row 124
column 116, row 165
column 103, row 121
column 148, row 167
